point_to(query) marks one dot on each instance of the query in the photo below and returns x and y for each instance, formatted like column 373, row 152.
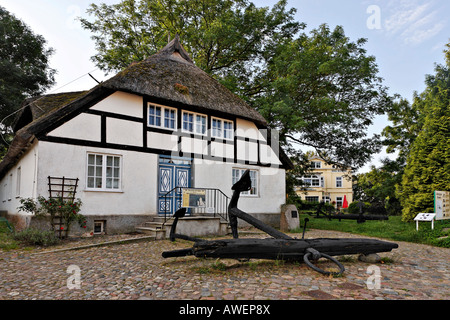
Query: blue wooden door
column 172, row 175
column 165, row 185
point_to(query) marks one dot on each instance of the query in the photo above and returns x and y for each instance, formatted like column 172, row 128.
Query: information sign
column 425, row 217
column 442, row 204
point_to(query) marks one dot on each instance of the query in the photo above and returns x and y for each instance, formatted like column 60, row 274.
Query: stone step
column 159, row 234
column 160, row 219
column 153, row 224
column 161, row 230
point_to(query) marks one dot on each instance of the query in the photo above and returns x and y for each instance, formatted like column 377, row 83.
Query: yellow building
column 327, row 183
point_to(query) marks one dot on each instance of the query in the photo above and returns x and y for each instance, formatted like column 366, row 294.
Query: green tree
column 320, row 90
column 24, row 68
column 407, row 121
column 323, row 91
column 428, row 163
column 220, row 35
column 377, row 186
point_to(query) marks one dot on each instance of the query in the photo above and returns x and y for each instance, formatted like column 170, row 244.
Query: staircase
column 191, row 226
column 156, row 227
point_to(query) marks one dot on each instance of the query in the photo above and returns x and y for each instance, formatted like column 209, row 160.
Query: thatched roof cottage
column 135, row 141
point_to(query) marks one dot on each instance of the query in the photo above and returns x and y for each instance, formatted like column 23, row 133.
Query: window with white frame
column 193, row 122
column 222, row 128
column 18, row 179
column 312, row 181
column 103, row 172
column 10, row 180
column 236, row 175
column 316, row 164
column 338, row 182
column 162, row 117
column 227, row 129
column 312, row 198
column 216, row 128
column 339, row 202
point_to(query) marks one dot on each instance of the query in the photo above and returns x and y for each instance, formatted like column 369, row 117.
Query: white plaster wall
column 247, row 150
column 9, row 193
column 122, row 103
column 267, row 155
column 84, row 126
column 219, row 149
column 248, row 129
column 272, row 186
column 162, row 141
column 139, row 178
column 124, row 132
column 193, row 145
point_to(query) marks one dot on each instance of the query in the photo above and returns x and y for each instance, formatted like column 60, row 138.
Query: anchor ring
column 316, row 255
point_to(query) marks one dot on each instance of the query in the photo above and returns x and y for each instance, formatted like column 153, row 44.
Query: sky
column 407, row 38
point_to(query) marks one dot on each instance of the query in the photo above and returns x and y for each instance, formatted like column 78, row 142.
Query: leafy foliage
column 24, row 65
column 220, row 35
column 377, row 187
column 54, row 207
column 428, row 163
column 324, row 93
column 37, row 237
column 319, row 90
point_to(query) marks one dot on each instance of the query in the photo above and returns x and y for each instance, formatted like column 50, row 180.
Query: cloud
column 413, row 21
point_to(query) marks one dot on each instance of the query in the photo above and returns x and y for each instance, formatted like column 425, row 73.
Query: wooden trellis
column 64, row 189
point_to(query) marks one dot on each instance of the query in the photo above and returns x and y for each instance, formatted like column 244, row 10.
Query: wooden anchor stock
column 280, row 247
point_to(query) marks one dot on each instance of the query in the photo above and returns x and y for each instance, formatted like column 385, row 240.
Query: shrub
column 68, row 211
column 37, row 237
column 370, row 208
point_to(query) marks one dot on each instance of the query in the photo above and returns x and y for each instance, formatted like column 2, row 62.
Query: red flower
column 62, row 228
column 84, row 227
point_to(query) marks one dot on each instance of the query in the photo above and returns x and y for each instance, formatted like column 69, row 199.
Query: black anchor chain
column 316, row 255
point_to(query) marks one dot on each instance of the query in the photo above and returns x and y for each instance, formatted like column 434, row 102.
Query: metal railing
column 215, row 203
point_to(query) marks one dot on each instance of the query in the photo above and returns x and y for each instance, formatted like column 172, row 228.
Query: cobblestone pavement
column 136, row 270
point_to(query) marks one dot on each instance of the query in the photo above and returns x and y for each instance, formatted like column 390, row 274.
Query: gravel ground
column 136, row 270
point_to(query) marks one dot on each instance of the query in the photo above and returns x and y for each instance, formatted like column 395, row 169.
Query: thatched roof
column 168, row 76
column 171, row 75
column 36, row 107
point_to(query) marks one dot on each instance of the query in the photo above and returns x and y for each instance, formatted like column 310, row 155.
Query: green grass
column 393, row 229
column 7, row 241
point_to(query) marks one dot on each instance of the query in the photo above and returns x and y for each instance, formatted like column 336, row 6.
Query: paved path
column 136, row 270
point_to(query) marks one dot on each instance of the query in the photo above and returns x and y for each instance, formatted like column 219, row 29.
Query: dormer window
column 316, row 164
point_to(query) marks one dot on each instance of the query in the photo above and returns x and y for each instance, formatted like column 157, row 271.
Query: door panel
column 170, row 176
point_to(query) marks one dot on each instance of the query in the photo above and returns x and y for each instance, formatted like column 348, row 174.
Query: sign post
column 425, row 217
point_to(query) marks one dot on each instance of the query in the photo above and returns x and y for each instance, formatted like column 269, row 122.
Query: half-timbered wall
column 121, row 121
column 117, row 128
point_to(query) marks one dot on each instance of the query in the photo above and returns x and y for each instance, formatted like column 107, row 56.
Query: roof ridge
column 175, row 46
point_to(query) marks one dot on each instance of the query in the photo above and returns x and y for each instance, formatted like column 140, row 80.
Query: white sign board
column 425, row 217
